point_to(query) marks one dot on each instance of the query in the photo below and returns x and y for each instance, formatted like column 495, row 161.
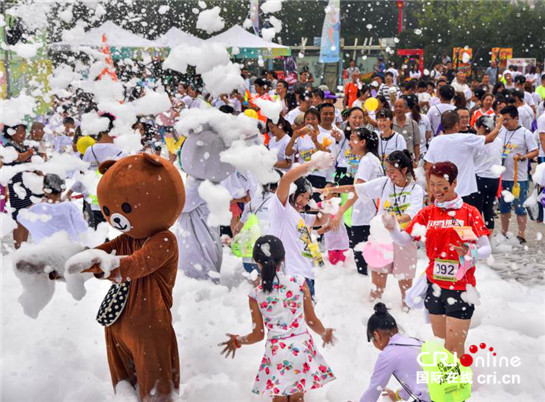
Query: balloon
column 371, row 104
column 251, row 113
column 84, row 143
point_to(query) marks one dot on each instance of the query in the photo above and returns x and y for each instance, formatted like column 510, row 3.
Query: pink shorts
column 404, row 264
column 336, row 255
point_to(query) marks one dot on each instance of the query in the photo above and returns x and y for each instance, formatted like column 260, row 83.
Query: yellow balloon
column 84, row 143
column 251, row 113
column 371, row 104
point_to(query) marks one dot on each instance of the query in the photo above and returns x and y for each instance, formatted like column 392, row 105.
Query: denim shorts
column 505, row 207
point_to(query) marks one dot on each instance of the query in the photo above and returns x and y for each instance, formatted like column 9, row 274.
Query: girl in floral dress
column 291, row 364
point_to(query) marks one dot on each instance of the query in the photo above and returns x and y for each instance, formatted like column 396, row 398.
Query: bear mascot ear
column 153, row 159
column 104, row 166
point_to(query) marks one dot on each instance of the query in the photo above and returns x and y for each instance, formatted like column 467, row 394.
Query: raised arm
column 490, row 137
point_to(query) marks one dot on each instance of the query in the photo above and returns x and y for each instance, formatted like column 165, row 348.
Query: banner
column 462, row 59
column 330, row 49
column 524, row 64
column 254, row 15
column 501, row 55
column 290, row 67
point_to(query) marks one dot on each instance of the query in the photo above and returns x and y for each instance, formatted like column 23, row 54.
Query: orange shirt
column 351, row 92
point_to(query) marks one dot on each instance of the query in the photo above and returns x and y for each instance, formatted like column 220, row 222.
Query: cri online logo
column 467, row 360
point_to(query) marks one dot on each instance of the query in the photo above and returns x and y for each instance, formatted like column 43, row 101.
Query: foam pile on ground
column 66, row 342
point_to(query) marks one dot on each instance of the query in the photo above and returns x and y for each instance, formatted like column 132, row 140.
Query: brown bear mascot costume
column 142, row 196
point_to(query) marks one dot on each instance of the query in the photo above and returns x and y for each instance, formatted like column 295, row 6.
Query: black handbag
column 113, row 304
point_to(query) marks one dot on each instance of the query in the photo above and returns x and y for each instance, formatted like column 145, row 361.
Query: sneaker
column 521, row 240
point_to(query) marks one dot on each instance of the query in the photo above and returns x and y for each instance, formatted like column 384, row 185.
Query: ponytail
column 381, row 320
column 269, row 253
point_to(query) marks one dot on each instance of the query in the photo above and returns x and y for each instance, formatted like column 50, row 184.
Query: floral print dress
column 291, row 363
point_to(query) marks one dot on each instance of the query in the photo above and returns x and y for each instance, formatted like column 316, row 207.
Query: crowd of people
column 435, row 157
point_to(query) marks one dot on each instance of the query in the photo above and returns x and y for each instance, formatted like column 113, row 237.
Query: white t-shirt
column 239, row 184
column 434, row 114
column 260, row 205
column 526, row 117
column 100, row 152
column 364, row 209
column 519, row 141
column 424, row 126
column 537, row 99
column 343, row 150
column 423, row 97
column 434, row 101
column 333, row 147
column 45, row 219
column 462, row 150
column 540, row 109
column 291, row 116
column 491, row 156
column 403, row 200
column 338, row 116
column 280, row 148
column 304, row 148
column 528, row 99
column 62, row 142
column 395, row 142
column 337, row 239
column 357, row 103
column 294, row 229
column 540, row 129
column 415, row 75
column 532, row 78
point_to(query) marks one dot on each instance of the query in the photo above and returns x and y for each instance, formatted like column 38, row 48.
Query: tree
column 438, row 26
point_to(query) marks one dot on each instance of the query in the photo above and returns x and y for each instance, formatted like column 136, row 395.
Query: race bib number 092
column 445, row 270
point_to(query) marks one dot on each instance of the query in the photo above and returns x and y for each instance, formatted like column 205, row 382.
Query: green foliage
column 480, row 24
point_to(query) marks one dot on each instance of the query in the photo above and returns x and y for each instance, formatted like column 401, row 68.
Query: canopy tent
column 115, row 37
column 249, row 45
column 175, row 36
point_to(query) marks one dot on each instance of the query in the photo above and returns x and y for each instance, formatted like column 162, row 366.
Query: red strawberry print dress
column 291, row 363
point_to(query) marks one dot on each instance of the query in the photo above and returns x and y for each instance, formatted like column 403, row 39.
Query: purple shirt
column 401, row 360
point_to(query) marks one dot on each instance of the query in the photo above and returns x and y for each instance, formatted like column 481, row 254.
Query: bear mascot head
column 140, row 195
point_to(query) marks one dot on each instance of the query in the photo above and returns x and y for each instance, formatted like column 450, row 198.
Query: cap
column 329, row 95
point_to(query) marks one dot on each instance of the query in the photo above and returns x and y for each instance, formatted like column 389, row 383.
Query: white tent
column 249, row 45
column 175, row 36
column 115, row 36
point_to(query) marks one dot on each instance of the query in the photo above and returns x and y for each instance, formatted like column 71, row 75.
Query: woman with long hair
column 364, row 144
column 397, row 194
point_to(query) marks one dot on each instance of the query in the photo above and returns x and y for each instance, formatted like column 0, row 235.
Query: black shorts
column 448, row 303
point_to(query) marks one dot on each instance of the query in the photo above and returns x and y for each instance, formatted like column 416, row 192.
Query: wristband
column 398, row 398
column 236, row 342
